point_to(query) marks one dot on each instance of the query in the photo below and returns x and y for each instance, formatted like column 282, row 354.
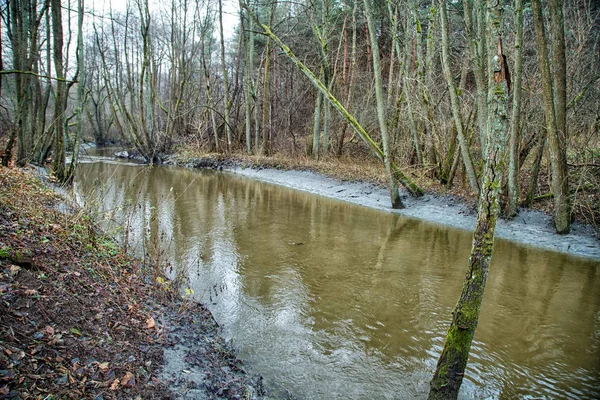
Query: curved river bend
column 326, row 299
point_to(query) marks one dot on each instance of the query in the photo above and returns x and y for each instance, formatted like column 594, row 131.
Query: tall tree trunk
column 266, row 101
column 248, row 80
column 452, row 363
column 349, row 76
column 80, row 77
column 381, row 108
column 317, row 126
column 412, row 30
column 207, row 86
column 513, row 167
column 225, row 79
column 478, row 65
column 458, row 120
column 554, row 107
column 59, row 101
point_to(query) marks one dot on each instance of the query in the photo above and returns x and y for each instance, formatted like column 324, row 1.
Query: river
column 327, row 299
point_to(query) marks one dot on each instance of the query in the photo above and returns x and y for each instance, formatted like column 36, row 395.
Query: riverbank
column 81, row 319
column 455, row 209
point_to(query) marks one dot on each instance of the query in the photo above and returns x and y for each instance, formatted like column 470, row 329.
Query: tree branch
column 13, row 72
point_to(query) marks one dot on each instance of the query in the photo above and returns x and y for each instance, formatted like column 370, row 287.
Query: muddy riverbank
column 81, row 319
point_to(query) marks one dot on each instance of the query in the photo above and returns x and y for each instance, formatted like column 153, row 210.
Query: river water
column 328, row 300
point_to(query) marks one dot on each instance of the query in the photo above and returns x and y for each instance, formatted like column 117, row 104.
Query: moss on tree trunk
column 453, row 359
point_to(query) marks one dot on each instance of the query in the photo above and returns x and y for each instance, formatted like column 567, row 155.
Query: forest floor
column 81, row 319
column 363, row 183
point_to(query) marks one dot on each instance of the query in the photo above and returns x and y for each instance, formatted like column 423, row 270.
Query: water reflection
column 334, row 300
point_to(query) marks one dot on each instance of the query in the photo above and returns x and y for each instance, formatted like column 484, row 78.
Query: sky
column 230, row 11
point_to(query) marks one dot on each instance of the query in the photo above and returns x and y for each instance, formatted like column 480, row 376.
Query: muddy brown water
column 326, row 299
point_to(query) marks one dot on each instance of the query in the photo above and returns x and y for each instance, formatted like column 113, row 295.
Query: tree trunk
column 513, row 168
column 553, row 107
column 226, row 105
column 59, row 101
column 249, row 84
column 381, row 109
column 266, row 101
column 452, row 363
column 80, row 77
column 478, row 66
column 464, row 145
column 409, row 75
column 317, row 126
column 535, row 172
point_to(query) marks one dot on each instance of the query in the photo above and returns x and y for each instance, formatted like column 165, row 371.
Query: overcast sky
column 230, row 11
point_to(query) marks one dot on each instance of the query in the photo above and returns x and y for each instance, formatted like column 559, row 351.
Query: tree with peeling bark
column 452, row 363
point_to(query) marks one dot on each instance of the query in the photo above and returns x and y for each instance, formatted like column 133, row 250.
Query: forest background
column 182, row 76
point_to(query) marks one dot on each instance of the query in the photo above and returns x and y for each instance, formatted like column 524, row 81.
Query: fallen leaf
column 62, row 370
column 49, row 330
column 103, row 367
column 76, row 332
column 128, row 379
column 6, row 375
column 31, row 292
column 4, row 390
column 150, row 323
column 14, row 269
column 115, row 384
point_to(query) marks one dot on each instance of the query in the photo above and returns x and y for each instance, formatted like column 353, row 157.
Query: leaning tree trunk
column 398, row 175
column 452, row 363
